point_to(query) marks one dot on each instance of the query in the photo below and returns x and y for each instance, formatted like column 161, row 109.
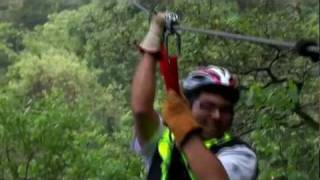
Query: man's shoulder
column 239, row 159
column 235, row 145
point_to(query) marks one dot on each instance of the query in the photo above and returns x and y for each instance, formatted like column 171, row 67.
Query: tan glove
column 151, row 42
column 178, row 117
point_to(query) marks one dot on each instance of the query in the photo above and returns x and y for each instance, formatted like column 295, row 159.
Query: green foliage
column 34, row 74
column 29, row 13
column 10, row 45
column 49, row 139
column 64, row 101
column 56, row 90
column 98, row 33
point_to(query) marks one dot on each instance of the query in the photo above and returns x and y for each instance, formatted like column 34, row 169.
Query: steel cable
column 253, row 39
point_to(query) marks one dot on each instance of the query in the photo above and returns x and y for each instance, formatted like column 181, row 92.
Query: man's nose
column 215, row 114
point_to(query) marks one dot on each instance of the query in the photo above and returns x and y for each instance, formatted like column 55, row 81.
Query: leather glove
column 151, row 42
column 178, row 117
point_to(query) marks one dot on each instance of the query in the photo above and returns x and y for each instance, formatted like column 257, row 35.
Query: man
column 190, row 140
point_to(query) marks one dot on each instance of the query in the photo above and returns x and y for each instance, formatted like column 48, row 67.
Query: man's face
column 213, row 113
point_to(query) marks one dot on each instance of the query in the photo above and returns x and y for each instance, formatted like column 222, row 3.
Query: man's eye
column 206, row 106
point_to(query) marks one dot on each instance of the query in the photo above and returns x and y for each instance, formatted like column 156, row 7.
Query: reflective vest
column 168, row 160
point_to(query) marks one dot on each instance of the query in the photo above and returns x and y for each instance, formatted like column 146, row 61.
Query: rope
column 139, row 6
column 238, row 37
column 253, row 39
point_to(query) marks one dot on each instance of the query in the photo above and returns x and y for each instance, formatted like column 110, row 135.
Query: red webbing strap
column 169, row 70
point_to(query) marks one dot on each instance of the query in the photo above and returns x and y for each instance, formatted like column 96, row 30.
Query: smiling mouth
column 212, row 132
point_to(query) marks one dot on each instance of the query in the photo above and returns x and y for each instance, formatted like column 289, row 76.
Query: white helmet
column 214, row 79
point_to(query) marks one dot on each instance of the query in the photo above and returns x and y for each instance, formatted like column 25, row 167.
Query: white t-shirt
column 239, row 161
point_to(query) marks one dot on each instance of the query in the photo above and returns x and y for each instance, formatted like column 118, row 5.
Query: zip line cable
column 139, row 6
column 238, row 37
column 312, row 48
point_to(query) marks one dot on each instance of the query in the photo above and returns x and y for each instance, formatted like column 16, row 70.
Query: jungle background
column 66, row 68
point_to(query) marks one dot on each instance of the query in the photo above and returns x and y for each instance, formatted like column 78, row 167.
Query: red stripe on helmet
column 213, row 76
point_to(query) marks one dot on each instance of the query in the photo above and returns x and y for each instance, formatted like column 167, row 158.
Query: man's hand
column 151, row 42
column 178, row 117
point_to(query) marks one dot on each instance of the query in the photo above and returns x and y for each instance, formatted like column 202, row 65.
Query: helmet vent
column 198, row 77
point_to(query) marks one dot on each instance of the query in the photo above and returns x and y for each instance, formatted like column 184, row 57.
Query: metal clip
column 171, row 20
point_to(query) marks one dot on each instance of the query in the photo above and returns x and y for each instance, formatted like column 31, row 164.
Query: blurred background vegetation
column 66, row 69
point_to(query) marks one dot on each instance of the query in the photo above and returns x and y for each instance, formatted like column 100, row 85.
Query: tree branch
column 13, row 168
column 248, row 131
column 254, row 70
column 306, row 117
column 27, row 166
column 278, row 81
column 268, row 70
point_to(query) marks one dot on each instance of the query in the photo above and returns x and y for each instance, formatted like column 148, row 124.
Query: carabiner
column 171, row 20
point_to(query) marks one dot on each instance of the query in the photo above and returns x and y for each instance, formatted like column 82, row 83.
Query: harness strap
column 166, row 145
column 169, row 70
